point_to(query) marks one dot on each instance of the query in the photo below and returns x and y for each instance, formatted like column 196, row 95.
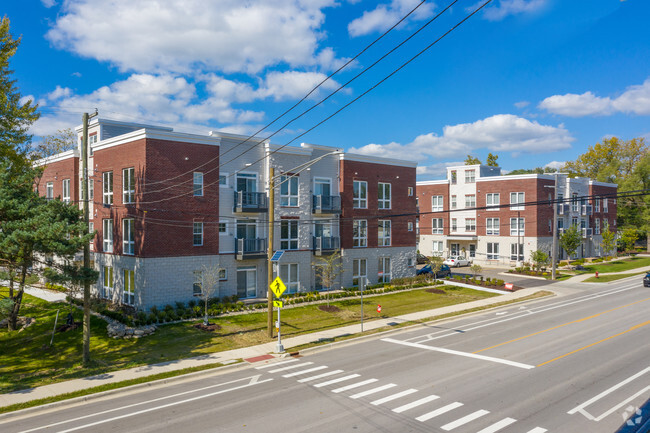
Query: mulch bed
column 208, row 328
column 329, row 308
column 438, row 291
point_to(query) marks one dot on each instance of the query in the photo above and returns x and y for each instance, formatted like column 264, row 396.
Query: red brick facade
column 424, row 194
column 56, row 172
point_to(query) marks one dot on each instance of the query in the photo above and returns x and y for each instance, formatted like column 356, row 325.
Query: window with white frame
column 384, row 233
column 470, row 224
column 358, row 271
column 454, row 204
column 574, row 202
column 128, row 185
column 492, row 226
column 513, row 252
column 492, row 201
column 197, row 284
column 492, row 251
column 223, row 180
column 91, row 189
column 453, row 177
column 436, row 226
column 289, row 234
column 597, row 204
column 360, row 233
column 437, row 248
column 108, row 235
column 383, row 195
column 383, row 274
column 107, row 288
column 223, row 228
column 597, row 226
column 197, row 184
column 128, row 236
column 410, row 191
column 223, row 274
column 129, row 287
column 360, row 194
column 409, row 226
column 516, row 226
column 49, row 190
column 66, row 190
column 107, row 187
column 454, row 224
column 197, row 234
column 289, row 276
column 470, row 176
column 605, row 205
column 289, row 191
column 516, row 201
column 436, row 203
column 470, row 201
column 91, row 229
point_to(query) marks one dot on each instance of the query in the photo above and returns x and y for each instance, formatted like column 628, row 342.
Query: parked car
column 421, row 259
column 456, row 261
column 646, row 280
column 444, row 271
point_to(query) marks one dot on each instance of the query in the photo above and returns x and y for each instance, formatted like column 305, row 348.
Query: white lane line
column 337, row 380
column 623, row 403
column 318, row 376
column 440, row 411
column 354, row 385
column 373, row 391
column 456, row 352
column 498, row 425
column 291, row 367
column 309, row 370
column 275, row 364
column 416, row 403
column 393, row 397
column 538, row 430
column 464, row 420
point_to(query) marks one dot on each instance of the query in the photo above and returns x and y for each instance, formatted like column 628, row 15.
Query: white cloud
column 636, row 99
column 504, row 8
column 556, row 164
column 294, row 84
column 178, row 36
column 48, row 3
column 384, row 16
column 522, row 104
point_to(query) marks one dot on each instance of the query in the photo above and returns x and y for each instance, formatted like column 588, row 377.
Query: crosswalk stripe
column 275, row 364
column 318, row 376
column 416, row 403
column 354, row 385
column 498, row 425
column 372, row 391
column 393, row 397
column 337, row 380
column 309, row 370
column 537, row 430
column 464, row 420
column 277, row 370
column 440, row 411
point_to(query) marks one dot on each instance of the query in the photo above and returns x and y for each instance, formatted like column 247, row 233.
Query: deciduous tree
column 53, row 144
column 328, row 269
column 570, row 240
column 492, row 160
column 609, row 240
column 472, row 160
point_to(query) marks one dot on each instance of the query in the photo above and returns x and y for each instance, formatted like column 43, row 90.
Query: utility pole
column 554, row 242
column 84, row 198
column 269, row 266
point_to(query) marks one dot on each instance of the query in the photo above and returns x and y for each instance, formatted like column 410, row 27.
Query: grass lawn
column 617, row 265
column 27, row 360
column 608, row 278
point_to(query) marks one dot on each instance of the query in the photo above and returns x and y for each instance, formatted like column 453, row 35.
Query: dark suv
column 646, row 280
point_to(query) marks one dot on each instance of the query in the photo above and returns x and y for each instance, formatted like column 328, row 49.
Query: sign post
column 278, row 288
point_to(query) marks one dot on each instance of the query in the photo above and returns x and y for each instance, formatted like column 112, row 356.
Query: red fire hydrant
column 596, row 274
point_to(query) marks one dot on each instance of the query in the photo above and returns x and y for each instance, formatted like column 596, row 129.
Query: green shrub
column 168, row 308
column 162, row 316
column 152, row 318
column 180, row 305
column 500, row 282
column 154, row 310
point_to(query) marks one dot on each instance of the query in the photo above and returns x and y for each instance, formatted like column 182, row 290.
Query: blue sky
column 534, row 81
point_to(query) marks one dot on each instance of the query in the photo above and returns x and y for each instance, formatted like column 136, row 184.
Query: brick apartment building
column 495, row 219
column 164, row 204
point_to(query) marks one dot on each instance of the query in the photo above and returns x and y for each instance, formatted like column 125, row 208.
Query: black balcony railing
column 252, row 248
column 326, row 204
column 250, row 202
column 326, row 244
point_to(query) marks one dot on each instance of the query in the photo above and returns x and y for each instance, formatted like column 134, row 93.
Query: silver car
column 456, row 261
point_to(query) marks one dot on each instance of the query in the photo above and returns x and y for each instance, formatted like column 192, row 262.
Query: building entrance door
column 246, row 283
column 455, row 249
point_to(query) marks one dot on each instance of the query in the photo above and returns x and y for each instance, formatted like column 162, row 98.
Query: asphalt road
column 578, row 363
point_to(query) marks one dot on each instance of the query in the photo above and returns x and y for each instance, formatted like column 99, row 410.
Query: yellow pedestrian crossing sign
column 278, row 287
column 278, row 304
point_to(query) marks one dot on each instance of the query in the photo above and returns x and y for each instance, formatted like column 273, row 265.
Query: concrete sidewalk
column 232, row 356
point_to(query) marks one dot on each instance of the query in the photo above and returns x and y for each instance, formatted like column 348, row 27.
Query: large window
column 492, row 251
column 359, row 233
column 470, row 176
column 197, row 234
column 197, row 184
column 492, row 226
column 360, row 194
column 49, row 190
column 575, row 204
column 384, row 233
column 436, row 203
column 470, row 224
column 383, row 196
column 358, row 271
column 517, row 255
column 605, row 205
column 107, row 288
column 383, row 274
column 516, row 201
column 516, row 226
column 288, row 191
column 437, row 248
column 492, row 201
column 597, row 226
column 128, row 185
column 107, row 187
column 129, row 287
column 108, row 235
column 597, row 204
column 66, row 191
column 289, row 276
column 470, row 201
column 197, row 284
column 289, row 235
column 436, row 226
column 128, row 236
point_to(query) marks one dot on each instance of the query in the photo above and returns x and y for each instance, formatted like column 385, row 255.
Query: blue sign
column 277, row 255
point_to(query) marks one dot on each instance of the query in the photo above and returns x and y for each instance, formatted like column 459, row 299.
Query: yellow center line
column 560, row 326
column 640, row 325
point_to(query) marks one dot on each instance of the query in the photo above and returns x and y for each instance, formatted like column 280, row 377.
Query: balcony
column 326, row 204
column 587, row 210
column 250, row 202
column 250, row 248
column 587, row 232
column 325, row 245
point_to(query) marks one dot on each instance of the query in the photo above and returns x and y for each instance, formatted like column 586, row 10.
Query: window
column 223, row 274
column 574, row 202
column 436, row 226
column 92, row 139
column 108, row 235
column 605, row 206
column 492, row 201
column 107, row 289
column 358, row 271
column 410, row 191
column 436, row 203
column 289, row 276
column 322, row 186
column 470, row 224
column 247, row 182
column 597, row 204
column 516, row 200
column 197, row 184
column 384, row 233
column 107, row 186
column 223, row 180
column 513, row 252
column 360, row 195
column 128, row 185
column 359, row 233
column 91, row 229
column 597, row 227
column 453, row 177
column 409, row 226
column 472, row 250
column 470, row 176
column 454, row 224
column 128, row 236
column 516, row 226
column 492, row 251
column 492, row 226
column 436, row 248
column 289, row 235
column 288, row 191
column 197, row 234
column 470, row 201
column 453, row 202
column 66, row 190
column 91, row 189
column 129, row 287
column 409, row 262
column 223, row 228
column 383, row 274
column 49, row 190
column 197, row 285
column 383, row 196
